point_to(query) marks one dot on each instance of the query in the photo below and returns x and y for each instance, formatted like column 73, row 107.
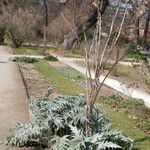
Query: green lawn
column 73, row 74
column 60, row 81
column 130, row 72
column 129, row 128
column 120, row 120
column 133, row 74
column 28, row 50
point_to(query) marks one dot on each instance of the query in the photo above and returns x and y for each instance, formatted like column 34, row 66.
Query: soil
column 35, row 82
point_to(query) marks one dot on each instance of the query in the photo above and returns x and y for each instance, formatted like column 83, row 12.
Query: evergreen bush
column 50, row 58
column 25, row 59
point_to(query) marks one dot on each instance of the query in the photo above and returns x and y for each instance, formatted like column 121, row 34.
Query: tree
column 147, row 20
column 2, row 23
column 146, row 28
column 19, row 20
column 44, row 5
column 100, row 53
column 101, row 49
column 82, row 27
column 138, row 9
column 20, row 25
column 2, row 34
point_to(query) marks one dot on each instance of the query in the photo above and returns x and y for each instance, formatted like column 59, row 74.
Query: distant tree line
column 66, row 21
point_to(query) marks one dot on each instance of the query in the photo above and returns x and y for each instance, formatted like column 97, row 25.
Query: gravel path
column 13, row 99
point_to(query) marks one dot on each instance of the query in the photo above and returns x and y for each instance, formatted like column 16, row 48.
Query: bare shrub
column 20, row 25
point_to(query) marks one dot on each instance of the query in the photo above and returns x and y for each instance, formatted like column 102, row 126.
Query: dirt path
column 13, row 99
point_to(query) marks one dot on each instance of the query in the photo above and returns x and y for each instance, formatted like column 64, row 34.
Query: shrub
column 25, row 59
column 50, row 58
column 60, row 125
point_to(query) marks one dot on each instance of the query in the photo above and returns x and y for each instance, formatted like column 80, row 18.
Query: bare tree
column 20, row 25
column 2, row 23
column 2, row 34
column 100, row 54
column 147, row 20
column 83, row 26
column 44, row 4
column 138, row 9
column 100, row 51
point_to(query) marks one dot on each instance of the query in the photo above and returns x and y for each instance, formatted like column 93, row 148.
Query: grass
column 133, row 108
column 28, row 50
column 129, row 128
column 77, row 51
column 61, row 82
column 74, row 52
column 73, row 74
column 133, row 74
column 135, row 54
column 64, row 85
column 147, row 81
column 129, row 72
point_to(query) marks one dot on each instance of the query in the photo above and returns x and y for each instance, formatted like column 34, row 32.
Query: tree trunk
column 46, row 21
column 17, row 41
column 44, row 35
column 89, row 112
column 146, row 28
column 90, row 104
column 137, row 32
column 114, row 71
column 69, row 41
column 45, row 39
column 2, row 34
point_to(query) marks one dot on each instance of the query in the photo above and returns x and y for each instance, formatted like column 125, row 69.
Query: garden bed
column 35, row 82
